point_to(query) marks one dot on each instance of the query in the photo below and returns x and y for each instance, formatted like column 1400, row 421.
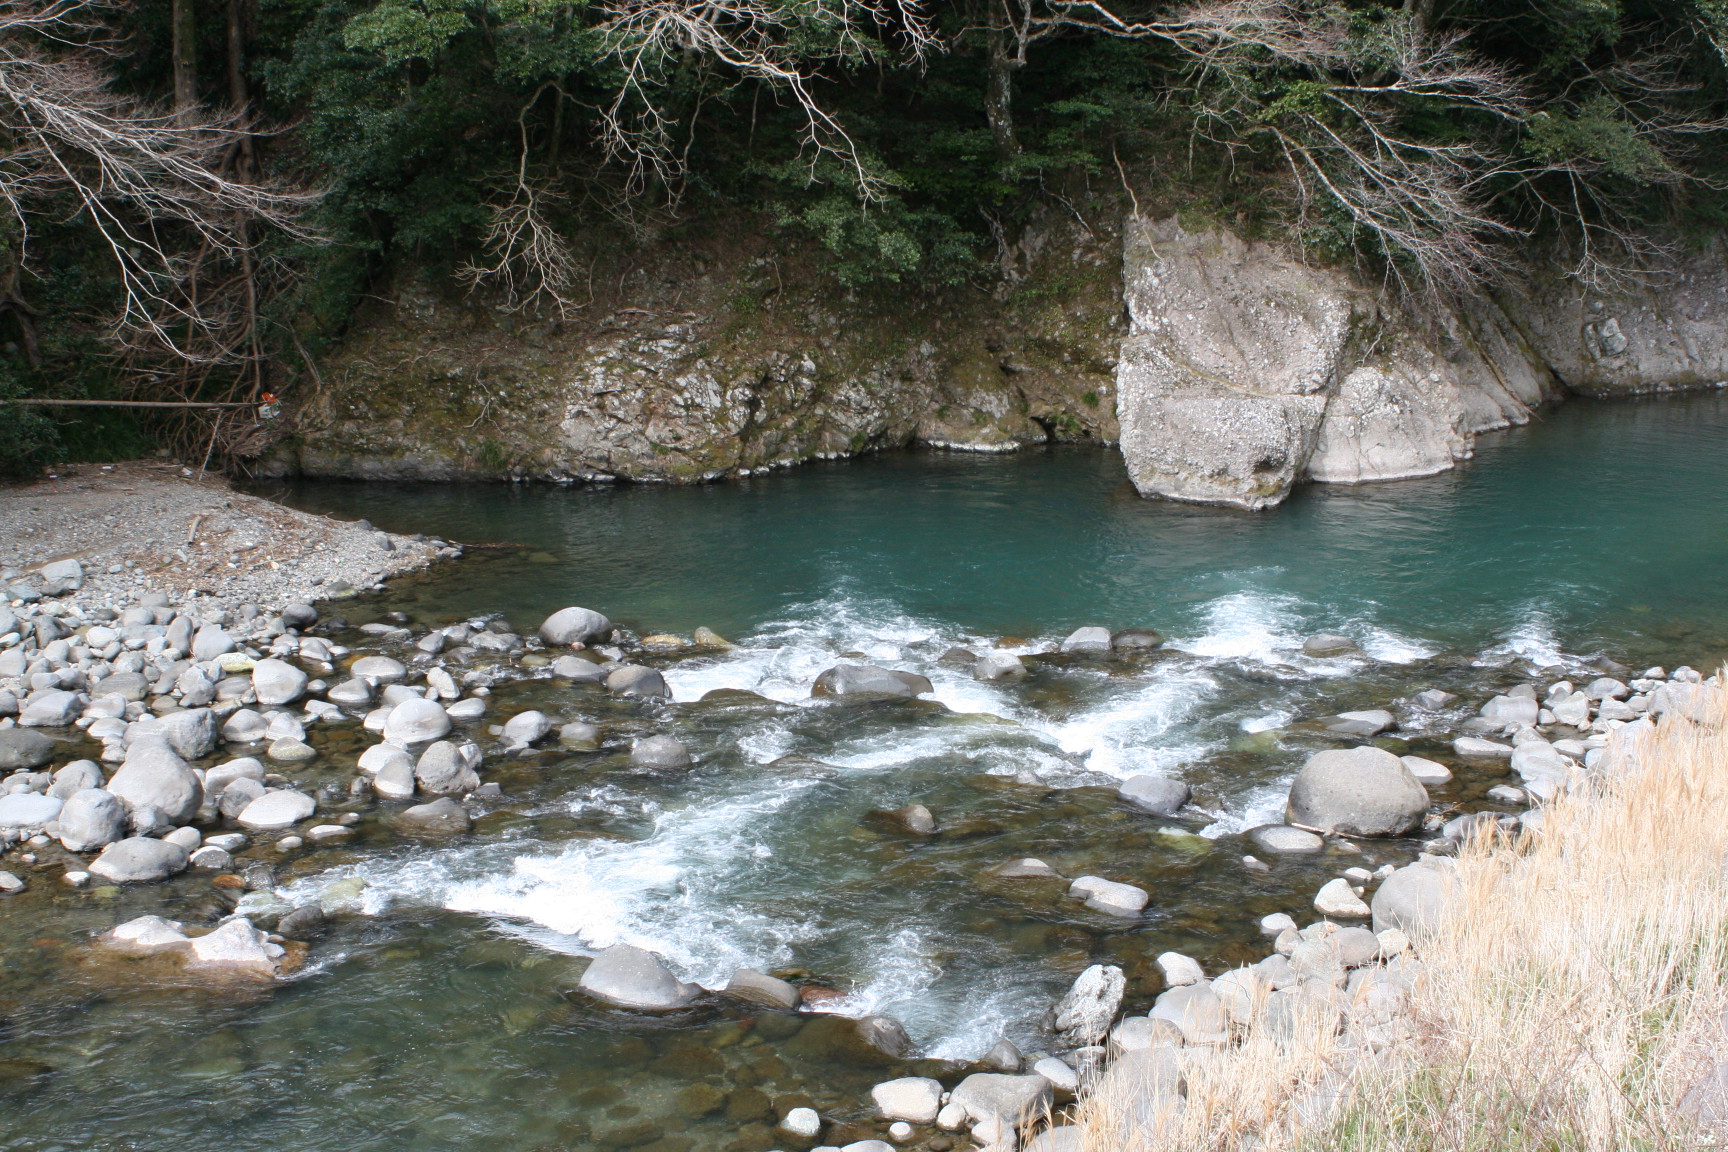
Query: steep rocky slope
column 1228, row 370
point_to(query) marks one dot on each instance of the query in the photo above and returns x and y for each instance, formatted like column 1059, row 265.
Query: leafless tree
column 764, row 41
column 151, row 182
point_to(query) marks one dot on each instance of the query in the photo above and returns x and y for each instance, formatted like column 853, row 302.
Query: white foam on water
column 950, row 1014
column 1130, row 734
column 702, row 884
column 1248, row 626
column 1390, row 648
column 1532, row 640
column 1268, row 721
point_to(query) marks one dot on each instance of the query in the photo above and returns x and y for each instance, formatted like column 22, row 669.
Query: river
column 440, row 1013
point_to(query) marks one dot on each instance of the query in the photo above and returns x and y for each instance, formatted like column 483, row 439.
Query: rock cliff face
column 1229, row 371
column 713, row 356
column 1245, row 371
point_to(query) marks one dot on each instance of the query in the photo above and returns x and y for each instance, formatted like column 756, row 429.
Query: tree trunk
column 185, row 52
column 999, row 97
column 239, row 94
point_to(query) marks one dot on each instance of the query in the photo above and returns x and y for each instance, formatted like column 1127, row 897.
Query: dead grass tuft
column 1575, row 996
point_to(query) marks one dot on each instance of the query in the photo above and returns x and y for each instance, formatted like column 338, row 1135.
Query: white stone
column 277, row 808
column 1060, row 1075
column 1179, row 969
column 914, row 1098
column 277, row 682
column 1427, row 771
column 236, row 946
column 801, row 1122
column 416, row 721
column 1338, row 898
column 146, row 934
column 1109, row 896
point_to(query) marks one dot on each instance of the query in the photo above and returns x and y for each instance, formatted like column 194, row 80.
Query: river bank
column 145, row 526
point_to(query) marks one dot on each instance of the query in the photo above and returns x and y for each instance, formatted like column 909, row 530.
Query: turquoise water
column 440, row 1013
column 1600, row 523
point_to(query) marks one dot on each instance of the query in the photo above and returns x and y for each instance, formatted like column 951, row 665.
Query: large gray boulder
column 277, row 682
column 91, row 819
column 632, row 977
column 54, row 708
column 446, row 768
column 1155, row 794
column 574, row 626
column 1085, row 1013
column 28, row 809
column 636, row 680
column 154, row 776
column 1012, row 1099
column 21, row 749
column 138, row 859
column 660, row 752
column 1357, row 792
column 1246, row 369
column 277, row 808
column 866, row 681
column 1222, row 380
column 1414, row 899
column 191, row 733
column 416, row 721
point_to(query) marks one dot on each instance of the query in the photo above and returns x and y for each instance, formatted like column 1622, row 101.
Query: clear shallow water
column 441, row 1017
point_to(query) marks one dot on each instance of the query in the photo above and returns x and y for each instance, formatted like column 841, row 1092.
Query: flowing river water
column 439, row 1012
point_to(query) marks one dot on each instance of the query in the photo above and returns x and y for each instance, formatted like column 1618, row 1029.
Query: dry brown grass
column 1576, row 994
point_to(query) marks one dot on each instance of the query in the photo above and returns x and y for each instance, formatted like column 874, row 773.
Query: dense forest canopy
column 198, row 189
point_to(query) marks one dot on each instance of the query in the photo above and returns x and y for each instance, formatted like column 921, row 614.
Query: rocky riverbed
column 151, row 736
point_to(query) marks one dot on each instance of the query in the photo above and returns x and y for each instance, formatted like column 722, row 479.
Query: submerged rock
column 441, row 815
